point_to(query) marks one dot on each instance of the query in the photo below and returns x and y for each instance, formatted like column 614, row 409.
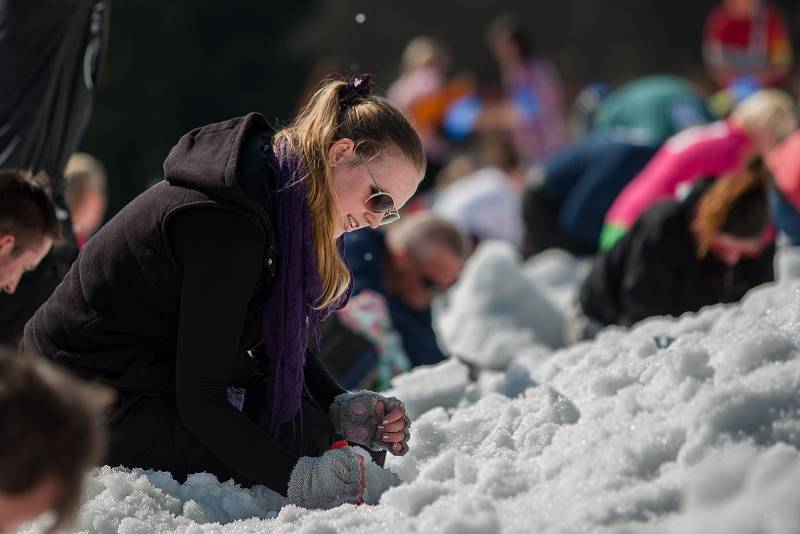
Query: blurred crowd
column 680, row 197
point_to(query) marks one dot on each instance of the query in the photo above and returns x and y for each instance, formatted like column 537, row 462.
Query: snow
column 687, row 425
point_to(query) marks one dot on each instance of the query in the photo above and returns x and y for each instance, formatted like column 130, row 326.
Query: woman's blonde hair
column 336, row 111
column 736, row 204
column 768, row 110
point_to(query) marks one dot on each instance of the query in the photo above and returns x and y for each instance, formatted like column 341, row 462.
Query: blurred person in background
column 423, row 73
column 461, row 164
column 51, row 52
column 653, row 108
column 567, row 197
column 533, row 109
column 52, row 435
column 784, row 162
column 28, row 225
column 755, row 127
column 486, row 203
column 396, row 277
column 711, row 247
column 197, row 301
column 86, row 191
column 746, row 42
column 584, row 109
column 424, row 93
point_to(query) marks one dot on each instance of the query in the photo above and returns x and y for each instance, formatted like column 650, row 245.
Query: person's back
column 124, row 286
column 657, row 107
column 566, row 206
column 700, row 151
column 485, row 204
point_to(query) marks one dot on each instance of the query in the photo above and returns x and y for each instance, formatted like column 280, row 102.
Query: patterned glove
column 337, row 477
column 353, row 415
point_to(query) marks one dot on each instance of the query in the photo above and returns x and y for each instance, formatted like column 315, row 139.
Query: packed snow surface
column 688, row 425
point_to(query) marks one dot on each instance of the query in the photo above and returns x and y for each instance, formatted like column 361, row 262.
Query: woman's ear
column 7, row 242
column 400, row 257
column 340, row 151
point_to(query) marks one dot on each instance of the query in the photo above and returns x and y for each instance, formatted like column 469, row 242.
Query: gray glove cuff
column 353, row 415
column 337, row 477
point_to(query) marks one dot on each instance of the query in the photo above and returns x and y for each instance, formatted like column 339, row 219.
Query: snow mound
column 684, row 425
column 495, row 312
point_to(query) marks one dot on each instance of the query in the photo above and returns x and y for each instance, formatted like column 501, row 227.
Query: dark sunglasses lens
column 431, row 286
column 380, row 203
column 390, row 217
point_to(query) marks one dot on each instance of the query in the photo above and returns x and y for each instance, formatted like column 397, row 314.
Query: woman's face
column 393, row 173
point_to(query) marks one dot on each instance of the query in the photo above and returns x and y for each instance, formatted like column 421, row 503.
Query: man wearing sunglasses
column 404, row 269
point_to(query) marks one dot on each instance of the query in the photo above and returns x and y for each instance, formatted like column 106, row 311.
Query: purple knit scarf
column 289, row 315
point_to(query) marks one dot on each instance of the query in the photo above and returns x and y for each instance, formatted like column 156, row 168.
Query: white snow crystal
column 677, row 425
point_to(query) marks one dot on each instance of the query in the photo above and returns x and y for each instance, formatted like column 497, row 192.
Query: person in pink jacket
column 755, row 126
column 784, row 162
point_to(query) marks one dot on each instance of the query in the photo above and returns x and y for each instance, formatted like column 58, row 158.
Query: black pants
column 541, row 226
column 147, row 432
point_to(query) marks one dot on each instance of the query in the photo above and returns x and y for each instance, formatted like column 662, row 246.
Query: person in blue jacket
column 412, row 263
column 567, row 198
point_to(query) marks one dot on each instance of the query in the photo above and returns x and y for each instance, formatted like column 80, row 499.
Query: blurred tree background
column 176, row 65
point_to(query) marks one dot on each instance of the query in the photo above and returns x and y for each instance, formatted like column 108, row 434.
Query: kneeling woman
column 712, row 247
column 197, row 300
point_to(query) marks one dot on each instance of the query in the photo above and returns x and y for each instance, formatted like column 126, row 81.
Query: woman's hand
column 372, row 420
column 393, row 428
column 337, row 477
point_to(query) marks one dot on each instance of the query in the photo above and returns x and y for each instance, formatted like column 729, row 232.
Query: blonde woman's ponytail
column 374, row 124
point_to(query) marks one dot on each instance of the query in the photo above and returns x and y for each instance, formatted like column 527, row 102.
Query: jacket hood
column 207, row 158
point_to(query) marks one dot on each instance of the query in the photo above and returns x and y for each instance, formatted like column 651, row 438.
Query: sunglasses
column 380, row 202
column 431, row 286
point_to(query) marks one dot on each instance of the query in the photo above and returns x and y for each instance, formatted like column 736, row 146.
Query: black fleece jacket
column 166, row 300
column 654, row 270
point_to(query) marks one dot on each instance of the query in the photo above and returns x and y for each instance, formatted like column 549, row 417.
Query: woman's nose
column 372, row 219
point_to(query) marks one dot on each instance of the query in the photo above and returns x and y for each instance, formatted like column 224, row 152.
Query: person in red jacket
column 747, row 39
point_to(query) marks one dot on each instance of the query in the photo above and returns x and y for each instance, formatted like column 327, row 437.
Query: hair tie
column 357, row 89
